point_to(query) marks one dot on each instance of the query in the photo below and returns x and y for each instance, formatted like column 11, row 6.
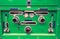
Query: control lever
column 51, row 28
column 51, row 25
column 6, row 28
column 6, row 24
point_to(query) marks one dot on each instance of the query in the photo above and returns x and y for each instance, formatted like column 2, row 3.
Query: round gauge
column 31, row 15
column 26, row 15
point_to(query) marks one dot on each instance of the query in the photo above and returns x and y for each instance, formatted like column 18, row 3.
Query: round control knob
column 15, row 20
column 28, row 29
column 41, row 19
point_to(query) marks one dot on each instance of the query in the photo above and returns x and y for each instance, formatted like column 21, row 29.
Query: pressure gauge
column 31, row 15
column 26, row 15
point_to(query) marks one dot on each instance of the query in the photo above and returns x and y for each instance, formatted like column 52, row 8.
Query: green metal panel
column 39, row 31
column 22, row 4
column 58, row 19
